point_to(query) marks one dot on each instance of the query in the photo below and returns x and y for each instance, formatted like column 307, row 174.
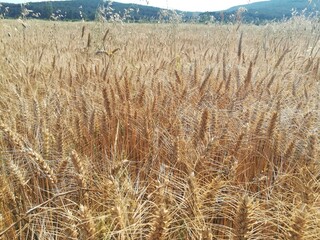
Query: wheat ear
column 42, row 165
column 297, row 228
column 87, row 223
column 242, row 219
column 159, row 227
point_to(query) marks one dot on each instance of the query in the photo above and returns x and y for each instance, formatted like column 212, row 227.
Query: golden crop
column 153, row 131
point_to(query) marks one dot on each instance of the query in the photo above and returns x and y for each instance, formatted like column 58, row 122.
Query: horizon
column 192, row 6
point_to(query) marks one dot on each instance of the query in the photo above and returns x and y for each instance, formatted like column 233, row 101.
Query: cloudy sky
column 190, row 5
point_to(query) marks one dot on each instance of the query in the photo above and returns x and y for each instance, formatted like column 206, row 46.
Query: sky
column 184, row 5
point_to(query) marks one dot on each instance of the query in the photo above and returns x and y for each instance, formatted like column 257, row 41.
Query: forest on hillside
column 89, row 10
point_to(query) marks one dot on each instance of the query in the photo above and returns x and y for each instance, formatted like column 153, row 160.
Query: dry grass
column 159, row 131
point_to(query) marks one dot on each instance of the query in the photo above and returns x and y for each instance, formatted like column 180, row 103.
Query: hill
column 86, row 10
column 268, row 10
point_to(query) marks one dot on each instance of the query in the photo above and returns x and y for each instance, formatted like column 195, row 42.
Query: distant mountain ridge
column 270, row 10
column 75, row 10
column 87, row 10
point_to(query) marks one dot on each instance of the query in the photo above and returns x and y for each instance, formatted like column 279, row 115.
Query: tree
column 47, row 10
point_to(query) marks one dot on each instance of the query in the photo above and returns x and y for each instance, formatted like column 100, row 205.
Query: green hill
column 87, row 10
column 64, row 10
column 269, row 10
column 276, row 9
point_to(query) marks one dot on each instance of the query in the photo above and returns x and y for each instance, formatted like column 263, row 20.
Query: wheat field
column 159, row 131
